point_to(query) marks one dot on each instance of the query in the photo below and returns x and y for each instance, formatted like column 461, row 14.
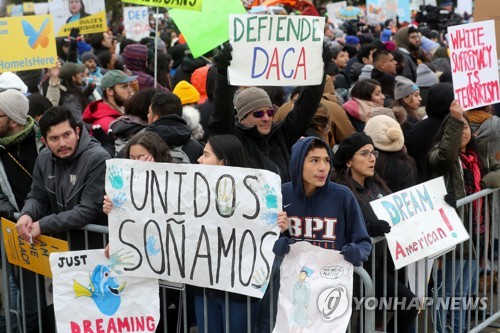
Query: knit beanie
column 425, row 76
column 14, row 105
column 348, row 147
column 352, row 40
column 186, row 92
column 87, row 56
column 9, row 80
column 251, row 99
column 404, row 87
column 386, row 133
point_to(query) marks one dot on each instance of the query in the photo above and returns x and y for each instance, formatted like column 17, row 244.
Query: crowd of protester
column 383, row 119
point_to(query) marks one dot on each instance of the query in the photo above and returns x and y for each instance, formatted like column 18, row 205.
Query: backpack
column 178, row 155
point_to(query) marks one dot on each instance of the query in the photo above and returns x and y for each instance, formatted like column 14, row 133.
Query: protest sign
column 28, row 8
column 180, row 4
column 489, row 10
column 423, row 224
column 35, row 256
column 209, row 226
column 90, row 296
column 136, row 22
column 381, row 10
column 35, row 45
column 207, row 29
column 474, row 65
column 87, row 15
column 464, row 6
column 41, row 8
column 333, row 10
column 276, row 50
column 315, row 291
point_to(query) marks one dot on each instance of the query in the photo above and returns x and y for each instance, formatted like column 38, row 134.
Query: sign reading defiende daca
column 209, row 226
column 276, row 50
column 423, row 224
column 31, row 43
column 474, row 65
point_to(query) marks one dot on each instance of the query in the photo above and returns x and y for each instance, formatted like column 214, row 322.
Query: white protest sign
column 136, row 22
column 422, row 223
column 315, row 291
column 276, row 50
column 464, row 6
column 90, row 296
column 474, row 66
column 209, row 226
column 333, row 10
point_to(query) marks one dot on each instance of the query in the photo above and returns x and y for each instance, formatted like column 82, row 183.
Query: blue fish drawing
column 104, row 290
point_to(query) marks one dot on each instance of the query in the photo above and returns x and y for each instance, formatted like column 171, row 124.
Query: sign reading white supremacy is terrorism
column 423, row 224
column 474, row 65
column 315, row 291
column 209, row 226
column 91, row 296
column 276, row 50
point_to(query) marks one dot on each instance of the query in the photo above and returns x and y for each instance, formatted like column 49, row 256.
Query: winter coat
column 100, row 113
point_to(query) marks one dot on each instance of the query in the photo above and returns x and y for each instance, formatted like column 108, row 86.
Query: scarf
column 472, row 184
column 18, row 137
column 360, row 109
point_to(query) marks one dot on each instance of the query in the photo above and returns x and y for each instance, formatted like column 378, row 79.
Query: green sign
column 209, row 28
column 180, row 4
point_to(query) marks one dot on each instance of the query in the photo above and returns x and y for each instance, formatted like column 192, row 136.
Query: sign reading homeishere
column 276, row 50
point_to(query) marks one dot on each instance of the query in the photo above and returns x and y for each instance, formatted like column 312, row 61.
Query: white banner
column 423, row 224
column 136, row 22
column 276, row 50
column 315, row 291
column 333, row 10
column 209, row 226
column 474, row 65
column 90, row 296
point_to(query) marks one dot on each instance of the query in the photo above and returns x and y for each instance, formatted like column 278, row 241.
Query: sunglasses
column 260, row 114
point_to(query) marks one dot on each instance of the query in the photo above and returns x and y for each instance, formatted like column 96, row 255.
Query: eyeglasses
column 367, row 153
column 260, row 113
column 3, row 115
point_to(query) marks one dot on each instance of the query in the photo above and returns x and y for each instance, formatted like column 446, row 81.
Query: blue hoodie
column 330, row 218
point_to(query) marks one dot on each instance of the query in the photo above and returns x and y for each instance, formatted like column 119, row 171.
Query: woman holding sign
column 354, row 163
column 467, row 168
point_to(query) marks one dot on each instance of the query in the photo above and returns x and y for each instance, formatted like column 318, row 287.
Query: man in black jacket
column 268, row 144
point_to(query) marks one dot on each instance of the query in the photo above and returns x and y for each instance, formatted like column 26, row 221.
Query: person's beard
column 119, row 101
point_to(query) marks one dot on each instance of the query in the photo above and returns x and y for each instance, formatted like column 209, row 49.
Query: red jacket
column 100, row 113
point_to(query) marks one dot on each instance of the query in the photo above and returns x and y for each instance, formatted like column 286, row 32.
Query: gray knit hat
column 14, row 105
column 404, row 87
column 89, row 55
column 251, row 99
column 426, row 77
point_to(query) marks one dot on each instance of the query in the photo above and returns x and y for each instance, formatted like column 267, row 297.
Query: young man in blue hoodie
column 322, row 212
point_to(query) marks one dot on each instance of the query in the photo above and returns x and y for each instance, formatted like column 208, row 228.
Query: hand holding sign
column 456, row 110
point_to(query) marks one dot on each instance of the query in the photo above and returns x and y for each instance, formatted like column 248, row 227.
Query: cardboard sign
column 185, row 4
column 136, row 22
column 474, row 64
column 34, row 39
column 34, row 257
column 90, row 296
column 207, row 29
column 315, row 291
column 276, row 50
column 209, row 226
column 87, row 15
column 423, row 224
column 489, row 10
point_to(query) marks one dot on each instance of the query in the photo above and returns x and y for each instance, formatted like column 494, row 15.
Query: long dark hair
column 439, row 135
column 385, row 166
column 82, row 9
column 229, row 148
column 153, row 144
column 364, row 89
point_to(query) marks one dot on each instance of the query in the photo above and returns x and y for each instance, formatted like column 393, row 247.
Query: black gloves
column 378, row 228
column 88, row 89
column 451, row 199
column 282, row 246
column 107, row 140
column 73, row 34
column 327, row 54
column 8, row 214
column 223, row 58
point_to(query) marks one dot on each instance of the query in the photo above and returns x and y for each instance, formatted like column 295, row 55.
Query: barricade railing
column 24, row 307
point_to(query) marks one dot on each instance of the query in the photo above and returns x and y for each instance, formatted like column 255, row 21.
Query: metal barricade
column 460, row 293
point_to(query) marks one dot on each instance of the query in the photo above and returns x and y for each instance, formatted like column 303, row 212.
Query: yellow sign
column 33, row 38
column 28, row 8
column 87, row 25
column 34, row 257
column 179, row 4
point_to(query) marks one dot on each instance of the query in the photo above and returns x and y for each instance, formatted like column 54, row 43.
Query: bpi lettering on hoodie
column 316, row 230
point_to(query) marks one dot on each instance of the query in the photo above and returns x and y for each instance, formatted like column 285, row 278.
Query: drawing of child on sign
column 301, row 295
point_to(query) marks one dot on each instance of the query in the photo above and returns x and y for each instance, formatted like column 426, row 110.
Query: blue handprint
column 150, row 246
column 115, row 177
column 119, row 199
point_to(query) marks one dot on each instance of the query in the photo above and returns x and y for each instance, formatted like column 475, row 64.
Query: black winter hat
column 439, row 99
column 348, row 147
